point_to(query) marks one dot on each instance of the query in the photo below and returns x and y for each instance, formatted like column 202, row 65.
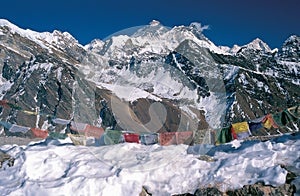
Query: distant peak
column 256, row 40
column 154, row 23
column 258, row 44
column 293, row 38
column 235, row 48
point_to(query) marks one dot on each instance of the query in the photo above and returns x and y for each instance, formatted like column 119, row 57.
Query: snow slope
column 52, row 167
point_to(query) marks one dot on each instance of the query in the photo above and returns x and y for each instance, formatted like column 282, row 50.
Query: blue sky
column 231, row 21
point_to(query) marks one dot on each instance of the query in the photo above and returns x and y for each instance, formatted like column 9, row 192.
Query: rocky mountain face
column 156, row 79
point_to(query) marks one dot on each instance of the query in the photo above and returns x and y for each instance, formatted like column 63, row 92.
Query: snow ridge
column 44, row 39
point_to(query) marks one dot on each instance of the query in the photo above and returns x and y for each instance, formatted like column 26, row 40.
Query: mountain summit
column 258, row 44
column 154, row 23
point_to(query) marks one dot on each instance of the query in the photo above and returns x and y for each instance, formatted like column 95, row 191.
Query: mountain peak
column 293, row 38
column 95, row 45
column 258, row 44
column 235, row 48
column 291, row 49
column 154, row 23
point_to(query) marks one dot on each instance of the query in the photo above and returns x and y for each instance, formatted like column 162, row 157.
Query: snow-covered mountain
column 153, row 38
column 200, row 85
column 257, row 44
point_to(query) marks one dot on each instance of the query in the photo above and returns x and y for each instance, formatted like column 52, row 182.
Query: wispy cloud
column 199, row 26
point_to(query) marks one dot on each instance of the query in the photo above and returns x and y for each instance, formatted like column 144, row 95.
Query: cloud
column 198, row 26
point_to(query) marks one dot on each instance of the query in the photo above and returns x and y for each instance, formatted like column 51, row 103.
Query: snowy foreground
column 60, row 168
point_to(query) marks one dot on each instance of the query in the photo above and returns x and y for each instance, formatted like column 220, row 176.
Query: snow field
column 52, row 167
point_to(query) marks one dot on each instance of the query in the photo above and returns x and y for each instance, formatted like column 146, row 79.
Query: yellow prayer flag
column 240, row 127
column 30, row 112
column 78, row 140
column 267, row 124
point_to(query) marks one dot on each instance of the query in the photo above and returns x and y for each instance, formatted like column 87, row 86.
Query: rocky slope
column 189, row 83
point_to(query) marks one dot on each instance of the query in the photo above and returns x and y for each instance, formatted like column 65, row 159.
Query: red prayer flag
column 167, row 138
column 92, row 131
column 39, row 133
column 131, row 137
column 233, row 133
column 4, row 103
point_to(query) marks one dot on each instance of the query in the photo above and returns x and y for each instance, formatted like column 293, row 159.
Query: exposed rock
column 262, row 190
column 6, row 158
column 208, row 192
column 259, row 189
column 207, row 158
column 144, row 192
column 204, row 192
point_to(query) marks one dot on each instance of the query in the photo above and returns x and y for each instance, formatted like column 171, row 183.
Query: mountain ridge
column 256, row 43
